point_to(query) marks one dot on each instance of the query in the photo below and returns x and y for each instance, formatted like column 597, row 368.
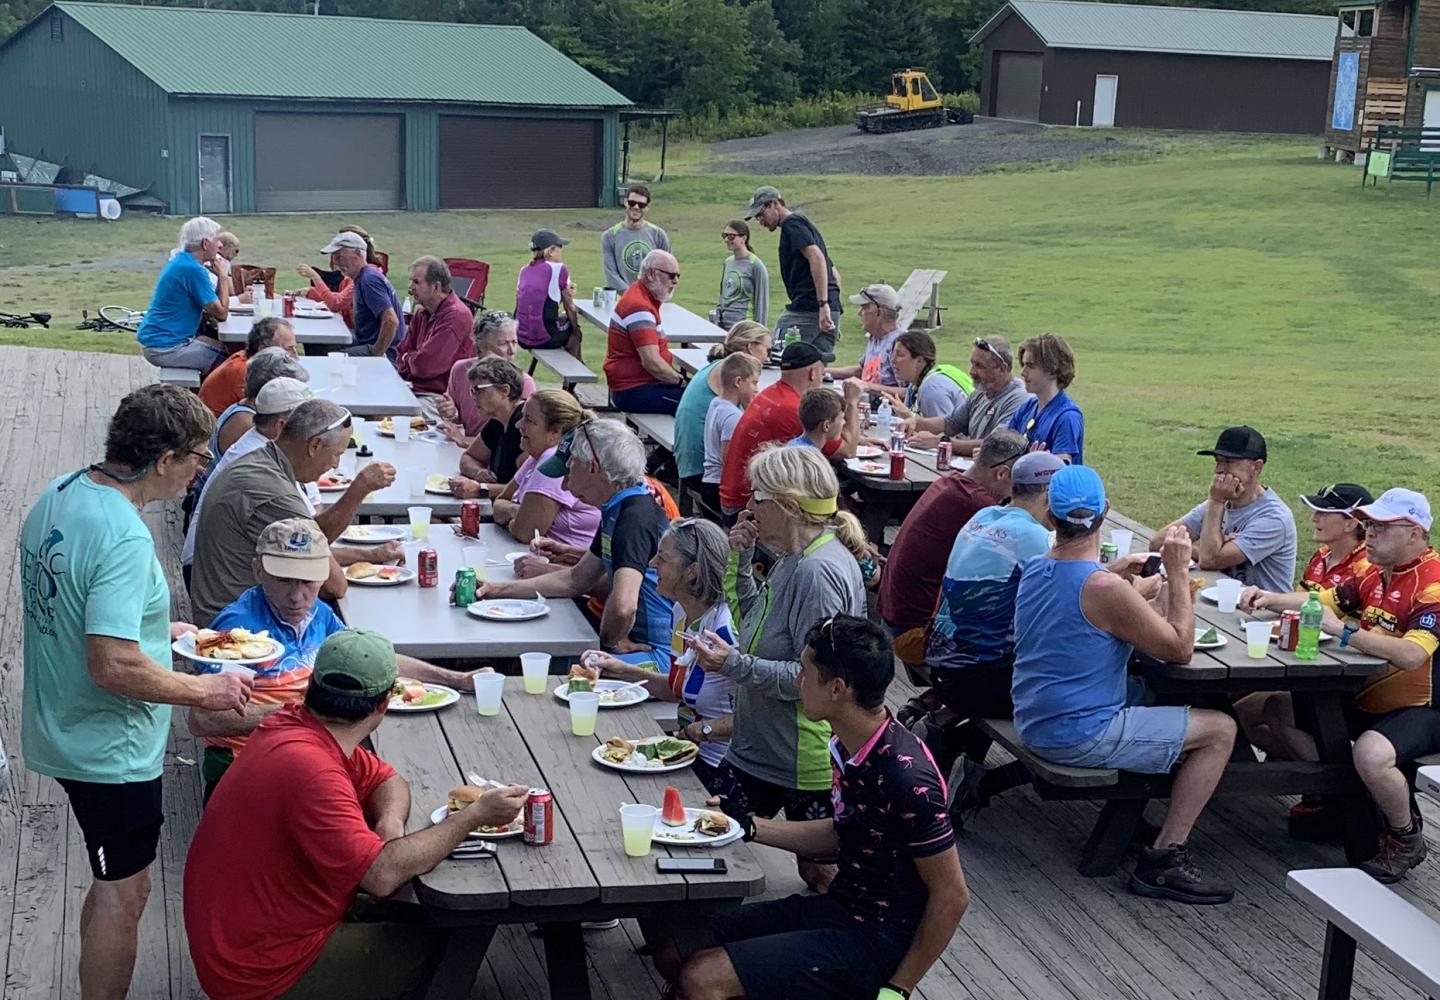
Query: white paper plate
column 451, row 697
column 962, row 464
column 508, row 610
column 1211, row 594
column 868, row 467
column 632, row 769
column 388, row 430
column 443, row 491
column 1220, row 639
column 517, row 830
column 185, row 646
column 374, row 534
column 684, row 836
column 334, row 487
column 318, row 311
column 406, row 575
column 633, row 697
column 869, row 451
column 1324, row 637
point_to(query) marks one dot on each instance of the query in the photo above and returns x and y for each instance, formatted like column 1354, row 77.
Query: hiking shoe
column 1168, row 873
column 964, row 782
column 1316, row 820
column 1399, row 852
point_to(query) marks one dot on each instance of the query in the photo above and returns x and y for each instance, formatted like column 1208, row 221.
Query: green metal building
column 230, row 111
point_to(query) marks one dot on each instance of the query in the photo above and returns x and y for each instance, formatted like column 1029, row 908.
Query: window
column 57, row 27
column 1366, row 25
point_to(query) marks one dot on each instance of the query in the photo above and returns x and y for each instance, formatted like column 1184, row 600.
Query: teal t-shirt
column 690, row 423
column 88, row 567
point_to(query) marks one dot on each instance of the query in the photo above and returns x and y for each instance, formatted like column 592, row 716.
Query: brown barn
column 1386, row 71
column 1065, row 62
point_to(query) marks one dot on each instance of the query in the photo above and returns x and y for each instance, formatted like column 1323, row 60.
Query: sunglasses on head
column 1009, row 459
column 990, row 348
column 482, row 385
column 341, row 421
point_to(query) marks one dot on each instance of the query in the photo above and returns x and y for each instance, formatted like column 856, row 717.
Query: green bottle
column 1311, row 614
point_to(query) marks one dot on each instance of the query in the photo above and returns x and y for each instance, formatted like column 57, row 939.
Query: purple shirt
column 576, row 522
column 373, row 295
column 538, row 300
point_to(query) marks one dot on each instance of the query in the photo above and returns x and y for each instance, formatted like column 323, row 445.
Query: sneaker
column 964, row 786
column 1316, row 820
column 1399, row 852
column 1168, row 873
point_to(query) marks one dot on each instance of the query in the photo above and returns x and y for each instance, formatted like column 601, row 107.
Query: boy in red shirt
column 284, row 846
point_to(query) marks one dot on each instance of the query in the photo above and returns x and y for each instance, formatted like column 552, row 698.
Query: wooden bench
column 185, row 378
column 1403, row 154
column 921, row 291
column 593, row 397
column 658, row 427
column 570, row 369
column 1359, row 910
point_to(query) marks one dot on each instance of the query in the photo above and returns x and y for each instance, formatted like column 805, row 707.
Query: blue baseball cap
column 1077, row 487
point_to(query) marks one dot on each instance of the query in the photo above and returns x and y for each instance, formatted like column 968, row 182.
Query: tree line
column 717, row 55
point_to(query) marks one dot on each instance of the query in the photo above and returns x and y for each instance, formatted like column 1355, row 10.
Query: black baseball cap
column 1238, row 442
column 801, row 355
column 1338, row 498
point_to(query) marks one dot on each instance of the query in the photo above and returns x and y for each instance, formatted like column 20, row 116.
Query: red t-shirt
column 773, row 415
column 278, row 855
column 225, row 385
column 635, row 323
column 910, row 585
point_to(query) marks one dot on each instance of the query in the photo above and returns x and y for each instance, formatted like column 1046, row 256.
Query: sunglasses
column 637, row 204
column 672, row 275
column 1007, row 461
column 990, row 348
column 341, row 421
column 729, row 236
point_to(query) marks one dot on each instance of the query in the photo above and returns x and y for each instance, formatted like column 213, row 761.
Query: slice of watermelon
column 673, row 812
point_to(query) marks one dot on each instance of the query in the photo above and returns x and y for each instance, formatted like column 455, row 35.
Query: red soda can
column 470, row 519
column 942, row 455
column 429, row 568
column 539, row 817
column 1289, row 630
column 289, row 305
column 897, row 464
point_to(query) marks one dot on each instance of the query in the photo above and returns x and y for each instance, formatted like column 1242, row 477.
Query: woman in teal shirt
column 748, row 336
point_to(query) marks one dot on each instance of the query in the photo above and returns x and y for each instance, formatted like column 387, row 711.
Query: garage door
column 1017, row 85
column 312, row 163
column 519, row 163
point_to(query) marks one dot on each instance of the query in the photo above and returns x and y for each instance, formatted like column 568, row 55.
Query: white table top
column 680, row 325
column 1427, row 780
column 421, row 622
column 379, row 391
column 330, row 331
column 432, row 453
column 691, row 359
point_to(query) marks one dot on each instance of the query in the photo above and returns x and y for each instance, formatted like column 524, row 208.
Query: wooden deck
column 1036, row 929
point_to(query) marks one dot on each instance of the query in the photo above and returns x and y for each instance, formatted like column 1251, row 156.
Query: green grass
column 1212, row 282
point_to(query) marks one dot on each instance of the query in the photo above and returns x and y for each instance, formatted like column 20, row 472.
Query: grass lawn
column 1213, row 283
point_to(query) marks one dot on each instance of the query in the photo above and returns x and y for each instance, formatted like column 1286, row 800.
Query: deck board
column 1036, row 929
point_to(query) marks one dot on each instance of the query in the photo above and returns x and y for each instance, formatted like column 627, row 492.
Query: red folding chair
column 468, row 279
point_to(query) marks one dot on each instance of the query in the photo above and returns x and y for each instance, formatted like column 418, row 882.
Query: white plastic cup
column 1227, row 594
column 489, row 693
column 1257, row 639
column 401, row 426
column 584, row 707
column 419, row 522
column 637, row 827
column 1122, row 540
column 476, row 557
column 350, row 374
column 535, row 668
column 415, row 477
column 346, row 467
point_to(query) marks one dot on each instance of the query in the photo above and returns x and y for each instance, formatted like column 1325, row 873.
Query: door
column 328, row 162
column 1105, row 90
column 494, row 162
column 215, row 175
column 1431, row 116
column 1017, row 85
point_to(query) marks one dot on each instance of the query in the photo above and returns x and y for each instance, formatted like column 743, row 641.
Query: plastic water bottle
column 884, row 419
column 407, row 307
column 1311, row 614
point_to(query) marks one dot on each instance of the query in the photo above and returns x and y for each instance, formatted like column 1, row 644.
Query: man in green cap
column 303, row 820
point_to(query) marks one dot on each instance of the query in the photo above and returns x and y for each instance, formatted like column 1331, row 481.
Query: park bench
column 185, row 378
column 1359, row 910
column 1403, row 154
column 921, row 291
column 570, row 369
column 658, row 427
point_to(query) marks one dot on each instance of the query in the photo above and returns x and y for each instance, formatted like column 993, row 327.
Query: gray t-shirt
column 938, row 396
column 623, row 249
column 772, row 739
column 980, row 414
column 720, row 421
column 744, row 285
column 1267, row 537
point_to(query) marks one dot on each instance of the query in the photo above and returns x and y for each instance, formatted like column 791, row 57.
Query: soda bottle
column 1311, row 614
column 792, row 335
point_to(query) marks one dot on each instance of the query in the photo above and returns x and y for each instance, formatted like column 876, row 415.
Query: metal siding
column 189, row 119
column 74, row 100
column 422, row 160
column 495, row 161
column 328, row 162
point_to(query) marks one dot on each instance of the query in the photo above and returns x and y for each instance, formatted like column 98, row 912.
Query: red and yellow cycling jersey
column 1316, row 575
column 1406, row 606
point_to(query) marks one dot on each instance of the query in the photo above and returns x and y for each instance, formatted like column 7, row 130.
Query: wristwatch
column 705, row 731
column 1346, row 631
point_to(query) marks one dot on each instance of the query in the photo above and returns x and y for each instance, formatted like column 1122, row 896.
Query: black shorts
column 981, row 691
column 746, row 793
column 807, row 946
column 121, row 824
column 1413, row 732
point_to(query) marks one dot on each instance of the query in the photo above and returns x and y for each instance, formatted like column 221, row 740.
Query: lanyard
column 767, row 594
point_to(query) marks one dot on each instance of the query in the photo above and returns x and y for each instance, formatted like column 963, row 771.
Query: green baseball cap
column 558, row 463
column 356, row 661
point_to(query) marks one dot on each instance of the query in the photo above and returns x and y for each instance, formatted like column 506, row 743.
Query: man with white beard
column 637, row 355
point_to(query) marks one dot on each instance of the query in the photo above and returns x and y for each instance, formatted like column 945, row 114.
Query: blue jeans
column 656, row 397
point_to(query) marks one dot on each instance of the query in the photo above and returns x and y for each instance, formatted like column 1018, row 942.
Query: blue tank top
column 199, row 483
column 1069, row 675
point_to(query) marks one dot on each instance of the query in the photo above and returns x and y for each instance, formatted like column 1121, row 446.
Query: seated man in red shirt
column 637, row 355
column 439, row 331
column 774, row 415
column 303, row 820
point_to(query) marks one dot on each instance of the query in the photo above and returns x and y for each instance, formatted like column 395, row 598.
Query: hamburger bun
column 462, row 796
column 361, row 570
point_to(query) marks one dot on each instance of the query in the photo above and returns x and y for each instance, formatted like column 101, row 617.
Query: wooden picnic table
column 885, row 498
column 584, row 873
column 379, row 391
column 421, row 622
column 327, row 331
column 680, row 325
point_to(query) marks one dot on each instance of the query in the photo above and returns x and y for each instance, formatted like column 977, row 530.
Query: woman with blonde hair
column 777, row 758
column 533, row 501
column 746, row 337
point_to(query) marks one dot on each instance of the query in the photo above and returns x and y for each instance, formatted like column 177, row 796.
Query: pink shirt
column 459, row 391
column 434, row 343
column 576, row 522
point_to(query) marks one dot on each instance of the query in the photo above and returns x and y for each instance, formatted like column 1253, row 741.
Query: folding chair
column 468, row 278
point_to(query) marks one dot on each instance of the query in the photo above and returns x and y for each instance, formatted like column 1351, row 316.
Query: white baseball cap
column 281, row 395
column 1399, row 505
column 347, row 239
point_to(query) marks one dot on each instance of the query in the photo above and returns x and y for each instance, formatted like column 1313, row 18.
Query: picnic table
column 421, row 622
column 887, row 498
column 379, row 391
column 584, row 873
column 680, row 325
column 324, row 331
column 429, row 451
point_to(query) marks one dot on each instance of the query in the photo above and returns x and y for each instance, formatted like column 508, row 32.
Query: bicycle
column 17, row 321
column 112, row 318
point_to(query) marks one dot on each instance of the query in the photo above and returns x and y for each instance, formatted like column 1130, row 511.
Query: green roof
column 253, row 54
column 1071, row 24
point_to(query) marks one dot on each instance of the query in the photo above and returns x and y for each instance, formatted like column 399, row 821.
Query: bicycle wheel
column 122, row 316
